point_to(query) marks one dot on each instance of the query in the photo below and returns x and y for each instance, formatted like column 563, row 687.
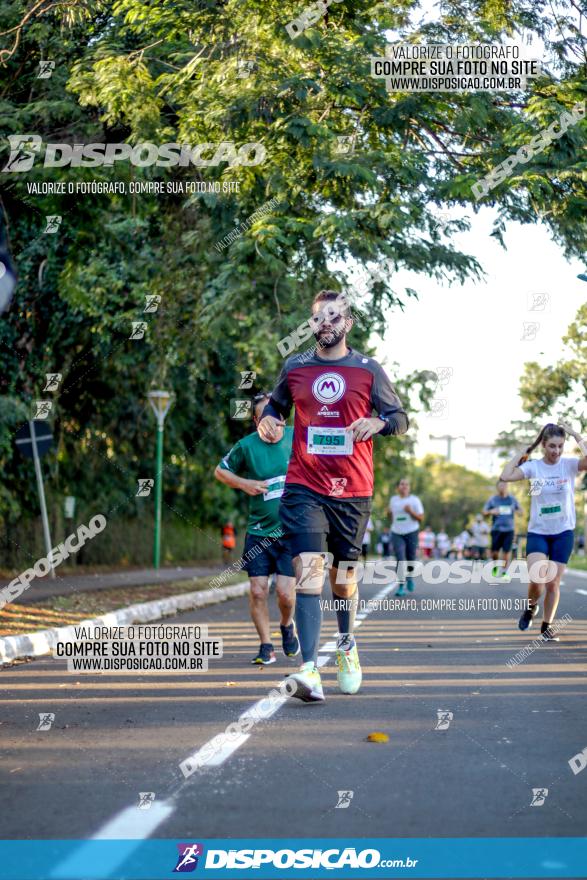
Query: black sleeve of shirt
column 387, row 404
column 280, row 402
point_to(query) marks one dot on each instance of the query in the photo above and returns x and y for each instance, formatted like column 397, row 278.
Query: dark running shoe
column 265, row 656
column 548, row 634
column 528, row 615
column 289, row 640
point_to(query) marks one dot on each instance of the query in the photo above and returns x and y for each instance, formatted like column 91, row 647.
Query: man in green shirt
column 258, row 467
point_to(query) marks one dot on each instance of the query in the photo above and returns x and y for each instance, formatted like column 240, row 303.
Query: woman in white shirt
column 407, row 513
column 552, row 517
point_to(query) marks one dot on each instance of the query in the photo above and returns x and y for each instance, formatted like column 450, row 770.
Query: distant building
column 485, row 458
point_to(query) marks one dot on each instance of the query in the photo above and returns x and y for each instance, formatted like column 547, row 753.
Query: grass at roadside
column 16, row 619
column 579, row 562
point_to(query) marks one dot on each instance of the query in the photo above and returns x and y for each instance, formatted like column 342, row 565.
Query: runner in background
column 443, row 544
column 552, row 518
column 367, row 539
column 502, row 508
column 461, row 543
column 428, row 542
column 258, row 467
column 407, row 512
column 385, row 540
column 479, row 538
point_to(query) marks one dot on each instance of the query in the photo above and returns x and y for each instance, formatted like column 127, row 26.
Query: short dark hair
column 331, row 296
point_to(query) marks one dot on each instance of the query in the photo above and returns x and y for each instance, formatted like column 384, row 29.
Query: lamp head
column 160, row 402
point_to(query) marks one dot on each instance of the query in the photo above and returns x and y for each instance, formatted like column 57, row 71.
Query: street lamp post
column 160, row 402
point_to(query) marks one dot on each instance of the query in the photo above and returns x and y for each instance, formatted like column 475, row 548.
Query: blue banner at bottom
column 305, row 859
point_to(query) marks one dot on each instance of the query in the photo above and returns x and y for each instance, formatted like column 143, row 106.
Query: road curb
column 39, row 643
column 577, row 572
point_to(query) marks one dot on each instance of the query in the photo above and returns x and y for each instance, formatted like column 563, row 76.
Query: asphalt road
column 512, row 730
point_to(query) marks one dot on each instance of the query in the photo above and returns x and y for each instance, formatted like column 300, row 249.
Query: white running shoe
column 349, row 672
column 308, row 683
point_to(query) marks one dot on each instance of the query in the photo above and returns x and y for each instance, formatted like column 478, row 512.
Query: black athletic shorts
column 315, row 523
column 263, row 556
column 501, row 541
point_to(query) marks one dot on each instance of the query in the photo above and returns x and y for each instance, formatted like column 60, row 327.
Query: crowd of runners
column 310, row 510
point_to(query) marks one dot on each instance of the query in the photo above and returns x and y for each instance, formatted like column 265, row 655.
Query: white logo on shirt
column 329, row 387
column 325, row 412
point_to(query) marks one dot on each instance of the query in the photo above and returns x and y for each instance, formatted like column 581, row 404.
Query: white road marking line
column 583, row 592
column 386, row 590
column 130, row 825
column 255, row 711
column 225, row 751
column 134, row 824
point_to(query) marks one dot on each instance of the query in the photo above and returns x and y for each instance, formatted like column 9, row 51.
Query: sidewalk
column 44, row 588
column 19, row 645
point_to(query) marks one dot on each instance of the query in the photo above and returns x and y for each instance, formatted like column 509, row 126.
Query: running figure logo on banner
column 187, row 860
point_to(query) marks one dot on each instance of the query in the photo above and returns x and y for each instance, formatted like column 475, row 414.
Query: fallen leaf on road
column 378, row 737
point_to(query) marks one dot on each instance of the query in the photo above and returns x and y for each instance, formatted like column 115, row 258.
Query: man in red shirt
column 327, row 498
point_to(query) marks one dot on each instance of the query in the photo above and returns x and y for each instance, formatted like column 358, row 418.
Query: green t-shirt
column 254, row 459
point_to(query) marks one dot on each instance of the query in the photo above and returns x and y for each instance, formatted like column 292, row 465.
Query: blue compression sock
column 346, row 610
column 308, row 623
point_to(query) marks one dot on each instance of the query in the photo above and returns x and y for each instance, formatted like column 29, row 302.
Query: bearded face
column 330, row 322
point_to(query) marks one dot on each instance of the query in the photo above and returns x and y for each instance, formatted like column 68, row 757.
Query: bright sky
column 477, row 328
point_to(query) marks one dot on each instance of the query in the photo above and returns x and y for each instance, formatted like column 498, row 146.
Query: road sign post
column 33, row 440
